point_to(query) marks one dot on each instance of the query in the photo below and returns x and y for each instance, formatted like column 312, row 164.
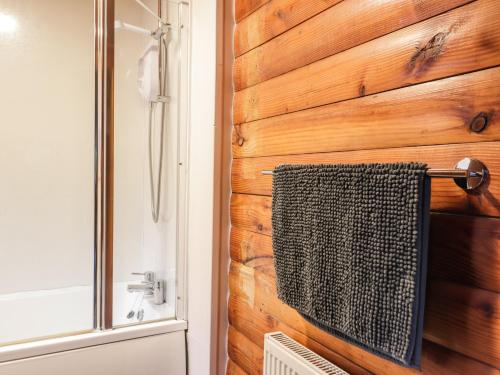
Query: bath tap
column 150, row 286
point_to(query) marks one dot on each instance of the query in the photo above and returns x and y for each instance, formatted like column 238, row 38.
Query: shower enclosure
column 150, row 108
column 93, row 151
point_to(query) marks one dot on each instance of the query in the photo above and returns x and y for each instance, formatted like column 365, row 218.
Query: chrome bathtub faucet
column 150, row 286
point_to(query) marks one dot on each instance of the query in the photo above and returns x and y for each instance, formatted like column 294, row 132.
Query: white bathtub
column 148, row 349
column 45, row 313
column 42, row 313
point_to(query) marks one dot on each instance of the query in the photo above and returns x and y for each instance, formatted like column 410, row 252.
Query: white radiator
column 284, row 356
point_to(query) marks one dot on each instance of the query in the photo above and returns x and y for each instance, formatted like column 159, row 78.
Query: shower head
column 119, row 24
column 157, row 34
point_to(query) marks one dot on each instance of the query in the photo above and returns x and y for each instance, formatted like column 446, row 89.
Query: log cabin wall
column 352, row 81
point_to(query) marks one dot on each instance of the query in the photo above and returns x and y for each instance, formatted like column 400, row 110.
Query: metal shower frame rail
column 104, row 174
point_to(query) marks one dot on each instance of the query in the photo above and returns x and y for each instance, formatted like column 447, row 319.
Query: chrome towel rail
column 469, row 173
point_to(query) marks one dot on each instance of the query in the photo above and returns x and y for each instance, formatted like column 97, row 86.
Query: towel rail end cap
column 476, row 174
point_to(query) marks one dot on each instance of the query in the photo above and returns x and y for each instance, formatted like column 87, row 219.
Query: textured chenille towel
column 350, row 250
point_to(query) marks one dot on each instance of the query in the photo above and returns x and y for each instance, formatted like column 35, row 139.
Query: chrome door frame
column 104, row 150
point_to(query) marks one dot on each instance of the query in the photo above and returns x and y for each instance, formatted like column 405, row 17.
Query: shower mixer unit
column 150, row 286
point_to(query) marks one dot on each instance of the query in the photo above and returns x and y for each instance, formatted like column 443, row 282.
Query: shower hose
column 162, row 101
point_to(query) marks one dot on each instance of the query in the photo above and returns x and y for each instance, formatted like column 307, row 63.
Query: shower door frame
column 104, row 163
column 104, row 177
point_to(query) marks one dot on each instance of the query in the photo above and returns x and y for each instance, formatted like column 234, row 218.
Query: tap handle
column 149, row 276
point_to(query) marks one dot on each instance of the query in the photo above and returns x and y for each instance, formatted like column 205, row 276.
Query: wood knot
column 479, row 122
column 487, row 309
column 245, row 245
column 426, row 55
column 260, row 227
column 362, row 90
column 238, row 137
column 280, row 14
column 270, row 321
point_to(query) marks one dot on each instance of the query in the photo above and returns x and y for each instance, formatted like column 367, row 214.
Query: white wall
column 47, row 145
column 130, row 130
column 201, row 182
column 140, row 244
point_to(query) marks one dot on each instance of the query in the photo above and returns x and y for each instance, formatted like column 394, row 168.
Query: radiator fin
column 284, row 356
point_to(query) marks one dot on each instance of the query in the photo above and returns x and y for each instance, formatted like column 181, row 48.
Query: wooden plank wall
column 329, row 81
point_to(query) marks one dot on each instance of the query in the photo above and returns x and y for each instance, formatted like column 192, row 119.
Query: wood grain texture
column 449, row 308
column 438, row 112
column 465, row 320
column 274, row 18
column 244, row 352
column 350, row 23
column 251, row 212
column 245, row 285
column 246, row 246
column 468, row 255
column 254, row 324
column 221, row 184
column 234, row 369
column 439, row 360
column 363, row 82
column 457, row 42
column 258, row 289
column 446, row 195
column 243, row 8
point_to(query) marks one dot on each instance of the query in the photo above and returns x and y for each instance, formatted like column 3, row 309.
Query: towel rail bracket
column 469, row 173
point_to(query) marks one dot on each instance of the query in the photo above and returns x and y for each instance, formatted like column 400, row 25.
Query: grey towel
column 350, row 250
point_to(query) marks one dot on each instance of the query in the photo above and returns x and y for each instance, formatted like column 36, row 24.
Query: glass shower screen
column 149, row 110
column 47, row 150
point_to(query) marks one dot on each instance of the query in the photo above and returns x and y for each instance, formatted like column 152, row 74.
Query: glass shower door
column 47, row 150
column 150, row 66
